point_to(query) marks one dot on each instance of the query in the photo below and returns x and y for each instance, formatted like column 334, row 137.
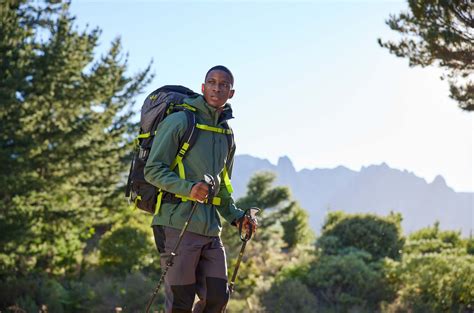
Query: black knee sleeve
column 183, row 298
column 217, row 294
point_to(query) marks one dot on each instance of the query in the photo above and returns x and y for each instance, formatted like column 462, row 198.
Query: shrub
column 289, row 296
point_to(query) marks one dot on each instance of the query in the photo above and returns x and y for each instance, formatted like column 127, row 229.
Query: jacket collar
column 208, row 112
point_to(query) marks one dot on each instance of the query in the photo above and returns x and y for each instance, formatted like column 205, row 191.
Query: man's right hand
column 200, row 192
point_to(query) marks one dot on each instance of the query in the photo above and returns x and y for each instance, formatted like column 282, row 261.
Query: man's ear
column 231, row 93
column 202, row 88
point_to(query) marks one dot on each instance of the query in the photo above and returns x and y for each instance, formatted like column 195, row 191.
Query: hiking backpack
column 157, row 106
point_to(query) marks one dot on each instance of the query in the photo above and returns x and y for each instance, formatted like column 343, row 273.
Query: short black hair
column 221, row 68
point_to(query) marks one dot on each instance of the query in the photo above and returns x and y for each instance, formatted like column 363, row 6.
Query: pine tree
column 64, row 135
column 439, row 32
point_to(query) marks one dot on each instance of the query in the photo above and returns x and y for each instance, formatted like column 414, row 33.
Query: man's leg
column 180, row 281
column 211, row 278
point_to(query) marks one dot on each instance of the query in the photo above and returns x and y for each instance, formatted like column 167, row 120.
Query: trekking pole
column 251, row 213
column 209, row 180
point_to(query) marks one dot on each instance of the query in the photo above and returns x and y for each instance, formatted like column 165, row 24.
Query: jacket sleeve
column 162, row 154
column 228, row 209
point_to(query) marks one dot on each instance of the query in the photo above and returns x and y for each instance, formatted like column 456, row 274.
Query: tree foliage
column 379, row 236
column 126, row 249
column 289, row 296
column 435, row 282
column 63, row 136
column 439, row 32
column 296, row 228
column 433, row 240
column 283, row 230
column 349, row 280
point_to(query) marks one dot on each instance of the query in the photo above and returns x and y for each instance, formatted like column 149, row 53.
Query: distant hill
column 376, row 189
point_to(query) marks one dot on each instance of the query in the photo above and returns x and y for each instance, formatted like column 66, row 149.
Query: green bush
column 350, row 280
column 433, row 240
column 379, row 236
column 126, row 249
column 289, row 296
column 436, row 283
column 131, row 293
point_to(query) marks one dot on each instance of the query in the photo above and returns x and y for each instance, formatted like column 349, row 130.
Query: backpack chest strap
column 214, row 129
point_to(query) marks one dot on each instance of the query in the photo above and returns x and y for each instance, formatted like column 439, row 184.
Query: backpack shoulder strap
column 230, row 140
column 230, row 158
column 186, row 142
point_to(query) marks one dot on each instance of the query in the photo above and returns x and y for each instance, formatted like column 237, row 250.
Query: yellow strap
column 214, row 129
column 178, row 160
column 145, row 135
column 187, row 106
column 134, row 206
column 158, row 202
column 215, row 200
column 228, row 184
column 181, row 169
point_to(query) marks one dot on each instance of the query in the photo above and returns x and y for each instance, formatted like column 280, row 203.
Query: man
column 200, row 265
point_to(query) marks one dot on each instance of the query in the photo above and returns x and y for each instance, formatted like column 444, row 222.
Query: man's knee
column 183, row 297
column 217, row 294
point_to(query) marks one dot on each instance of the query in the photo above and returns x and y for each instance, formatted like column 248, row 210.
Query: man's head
column 217, row 86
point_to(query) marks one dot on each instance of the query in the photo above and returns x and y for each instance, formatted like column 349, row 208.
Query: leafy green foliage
column 380, row 237
column 470, row 246
column 435, row 274
column 127, row 249
column 289, row 296
column 436, row 282
column 283, row 230
column 277, row 208
column 349, row 280
column 95, row 292
column 439, row 33
column 296, row 228
column 63, row 136
column 433, row 240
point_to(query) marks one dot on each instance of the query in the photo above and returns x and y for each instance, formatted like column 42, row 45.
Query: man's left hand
column 247, row 224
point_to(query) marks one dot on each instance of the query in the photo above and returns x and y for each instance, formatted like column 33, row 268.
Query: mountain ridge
column 376, row 189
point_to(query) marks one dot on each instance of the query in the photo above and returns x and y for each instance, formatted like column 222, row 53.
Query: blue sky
column 311, row 81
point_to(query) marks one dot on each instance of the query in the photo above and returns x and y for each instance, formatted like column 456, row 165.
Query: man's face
column 217, row 88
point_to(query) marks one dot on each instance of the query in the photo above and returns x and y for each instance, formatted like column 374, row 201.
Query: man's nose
column 217, row 88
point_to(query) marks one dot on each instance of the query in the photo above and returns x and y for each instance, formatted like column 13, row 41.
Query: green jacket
column 208, row 155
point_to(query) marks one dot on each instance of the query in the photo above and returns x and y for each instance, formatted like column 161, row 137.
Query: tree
column 126, row 249
column 296, row 228
column 289, row 296
column 433, row 240
column 379, row 236
column 349, row 281
column 349, row 272
column 64, row 136
column 439, row 32
column 273, row 246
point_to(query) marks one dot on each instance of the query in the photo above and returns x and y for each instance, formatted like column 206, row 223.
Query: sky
column 311, row 81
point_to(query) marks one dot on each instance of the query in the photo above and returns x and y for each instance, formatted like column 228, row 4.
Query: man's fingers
column 200, row 191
